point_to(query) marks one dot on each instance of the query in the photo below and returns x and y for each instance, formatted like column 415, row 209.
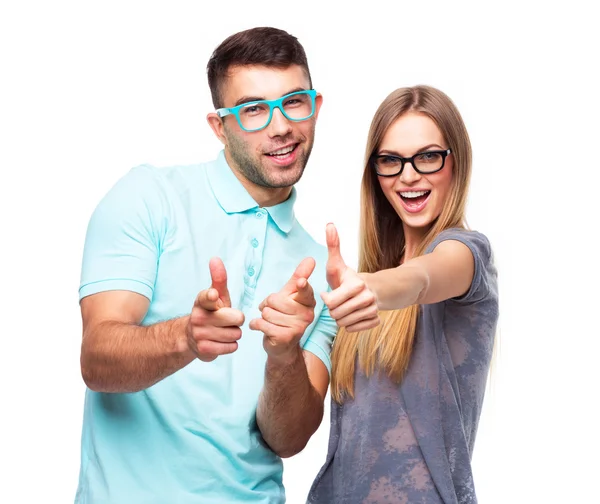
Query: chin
column 417, row 222
column 286, row 177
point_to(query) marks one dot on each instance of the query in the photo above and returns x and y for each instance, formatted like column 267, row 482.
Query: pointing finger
column 218, row 275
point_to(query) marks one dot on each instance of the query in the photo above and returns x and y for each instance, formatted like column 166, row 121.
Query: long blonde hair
column 389, row 346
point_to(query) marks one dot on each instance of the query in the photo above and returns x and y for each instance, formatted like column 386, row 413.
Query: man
column 186, row 271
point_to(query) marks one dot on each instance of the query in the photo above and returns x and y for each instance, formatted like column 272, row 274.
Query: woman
column 407, row 394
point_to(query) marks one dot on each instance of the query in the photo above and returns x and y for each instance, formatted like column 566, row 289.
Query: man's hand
column 213, row 326
column 287, row 314
column 351, row 303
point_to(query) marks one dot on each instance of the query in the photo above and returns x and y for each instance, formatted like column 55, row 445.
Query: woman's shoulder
column 471, row 238
column 484, row 283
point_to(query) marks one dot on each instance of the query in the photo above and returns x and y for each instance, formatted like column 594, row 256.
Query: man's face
column 273, row 157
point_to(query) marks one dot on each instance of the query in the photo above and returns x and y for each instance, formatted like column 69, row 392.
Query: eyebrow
column 419, row 151
column 249, row 99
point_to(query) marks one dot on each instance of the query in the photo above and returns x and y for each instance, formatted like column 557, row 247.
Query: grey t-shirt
column 412, row 443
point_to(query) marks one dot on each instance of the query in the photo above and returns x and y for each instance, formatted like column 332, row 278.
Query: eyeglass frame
column 273, row 104
column 445, row 153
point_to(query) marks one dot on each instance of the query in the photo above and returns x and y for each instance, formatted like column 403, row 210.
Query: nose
column 409, row 175
column 279, row 125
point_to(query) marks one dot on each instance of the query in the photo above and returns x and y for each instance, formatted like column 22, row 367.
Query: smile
column 285, row 156
column 284, row 151
column 414, row 201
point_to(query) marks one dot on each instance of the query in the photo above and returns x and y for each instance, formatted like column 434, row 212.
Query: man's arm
column 119, row 355
column 290, row 406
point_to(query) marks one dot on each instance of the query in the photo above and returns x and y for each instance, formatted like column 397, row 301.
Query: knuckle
column 267, row 313
column 232, row 347
column 308, row 316
column 197, row 316
column 371, row 297
column 203, row 347
column 366, row 299
column 198, row 333
column 207, row 358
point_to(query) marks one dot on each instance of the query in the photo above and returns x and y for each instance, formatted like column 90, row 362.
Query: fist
column 286, row 315
column 214, row 327
column 351, row 303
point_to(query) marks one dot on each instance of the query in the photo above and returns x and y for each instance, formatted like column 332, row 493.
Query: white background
column 89, row 90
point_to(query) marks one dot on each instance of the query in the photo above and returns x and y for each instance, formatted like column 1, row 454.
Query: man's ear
column 318, row 103
column 216, row 124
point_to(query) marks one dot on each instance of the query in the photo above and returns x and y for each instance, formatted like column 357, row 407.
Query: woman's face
column 417, row 198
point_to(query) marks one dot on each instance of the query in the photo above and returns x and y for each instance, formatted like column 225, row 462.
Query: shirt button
column 254, row 242
column 251, row 271
column 259, row 214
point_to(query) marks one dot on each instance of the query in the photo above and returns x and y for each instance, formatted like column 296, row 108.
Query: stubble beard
column 254, row 170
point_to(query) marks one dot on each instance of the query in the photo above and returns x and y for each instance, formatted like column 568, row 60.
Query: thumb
column 304, row 295
column 218, row 275
column 335, row 263
column 304, row 270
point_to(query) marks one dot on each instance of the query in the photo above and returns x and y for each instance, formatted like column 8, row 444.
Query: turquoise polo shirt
column 192, row 437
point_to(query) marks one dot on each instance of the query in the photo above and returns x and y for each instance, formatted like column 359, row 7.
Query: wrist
column 181, row 347
column 284, row 360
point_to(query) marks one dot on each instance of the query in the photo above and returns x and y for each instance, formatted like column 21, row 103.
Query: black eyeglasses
column 388, row 165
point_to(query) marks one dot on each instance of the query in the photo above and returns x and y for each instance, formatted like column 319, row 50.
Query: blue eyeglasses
column 256, row 115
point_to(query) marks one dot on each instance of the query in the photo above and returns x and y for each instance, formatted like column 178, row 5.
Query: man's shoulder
column 166, row 173
column 147, row 177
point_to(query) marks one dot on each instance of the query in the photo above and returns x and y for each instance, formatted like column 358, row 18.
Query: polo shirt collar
column 233, row 197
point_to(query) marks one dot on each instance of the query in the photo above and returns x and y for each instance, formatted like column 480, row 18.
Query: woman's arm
column 445, row 273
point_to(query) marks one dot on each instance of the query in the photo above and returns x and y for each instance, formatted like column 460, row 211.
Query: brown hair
column 265, row 46
column 389, row 346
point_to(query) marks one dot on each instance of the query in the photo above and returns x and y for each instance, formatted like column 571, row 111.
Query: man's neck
column 264, row 196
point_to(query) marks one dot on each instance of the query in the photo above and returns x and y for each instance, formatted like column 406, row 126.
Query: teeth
column 282, row 151
column 413, row 194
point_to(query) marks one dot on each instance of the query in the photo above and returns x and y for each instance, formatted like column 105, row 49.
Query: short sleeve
column 319, row 341
column 123, row 238
column 485, row 276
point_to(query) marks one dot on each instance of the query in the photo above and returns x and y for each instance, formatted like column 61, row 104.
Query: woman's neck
column 412, row 239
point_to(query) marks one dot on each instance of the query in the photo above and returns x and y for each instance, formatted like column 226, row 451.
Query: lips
column 284, row 156
column 283, row 151
column 415, row 200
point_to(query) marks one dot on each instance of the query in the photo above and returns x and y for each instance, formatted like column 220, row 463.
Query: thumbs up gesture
column 287, row 314
column 214, row 326
column 351, row 303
